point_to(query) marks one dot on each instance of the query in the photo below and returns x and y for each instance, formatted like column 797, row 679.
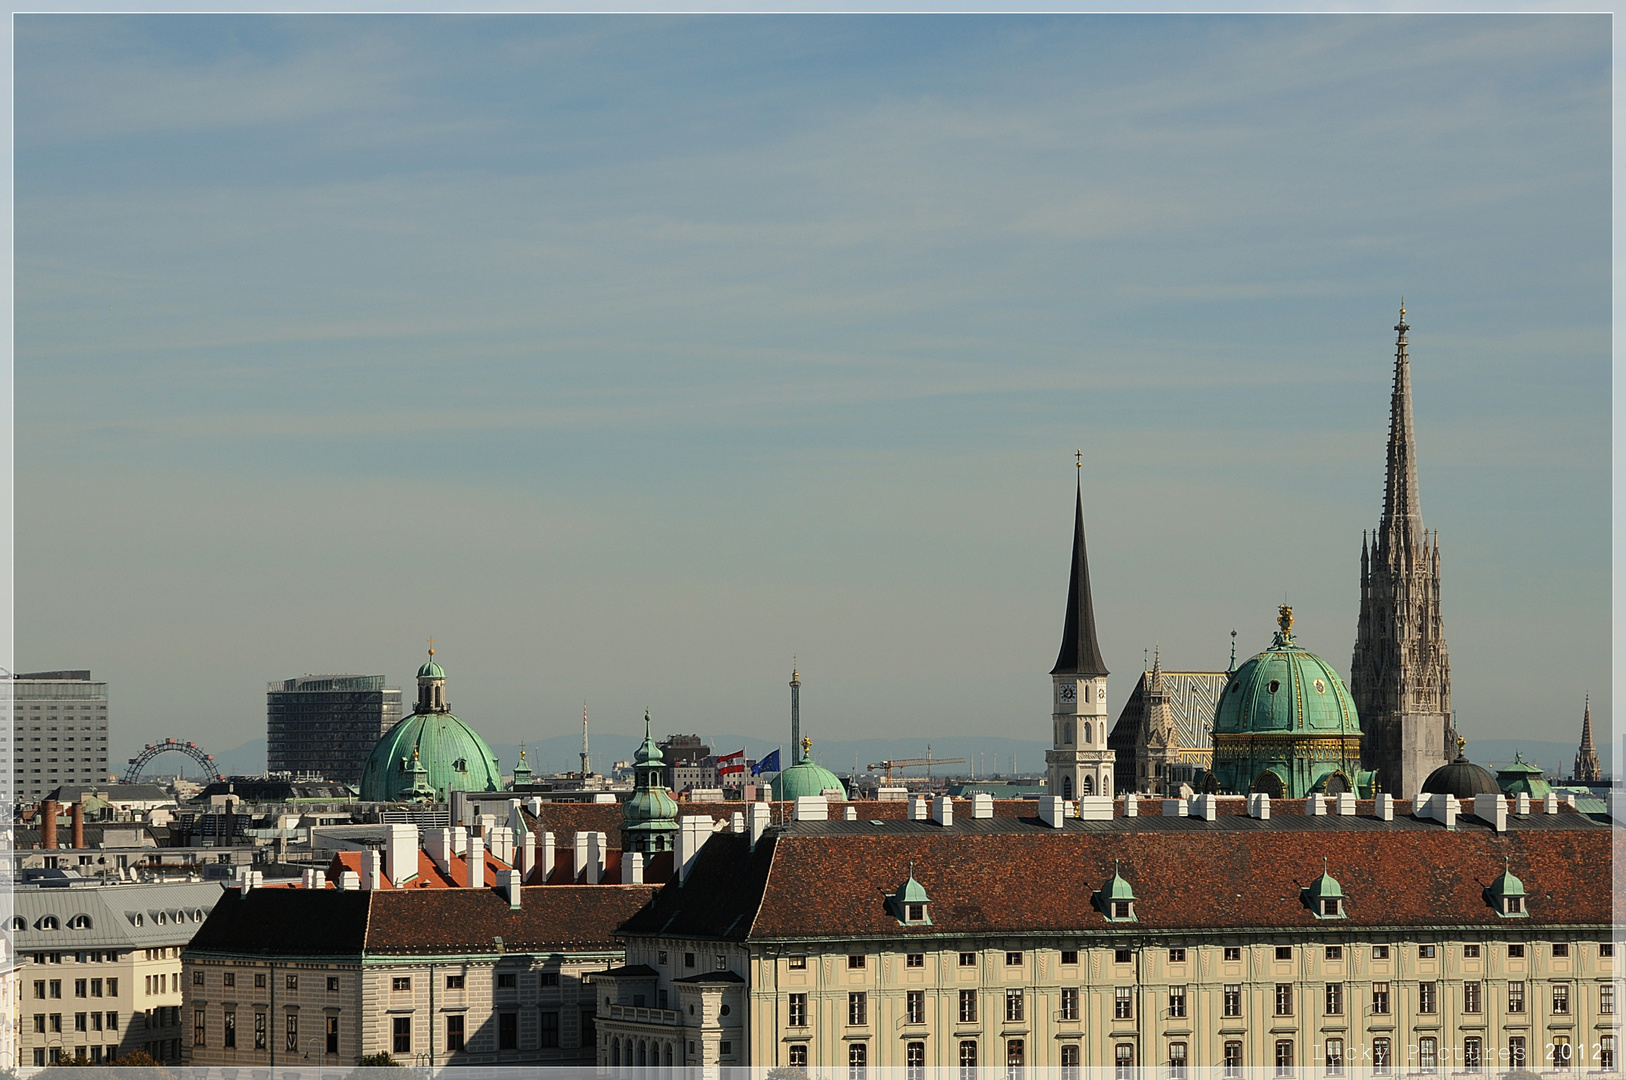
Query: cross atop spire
column 1080, row 651
column 1402, row 527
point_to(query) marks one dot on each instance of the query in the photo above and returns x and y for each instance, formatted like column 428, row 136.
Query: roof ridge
column 773, row 855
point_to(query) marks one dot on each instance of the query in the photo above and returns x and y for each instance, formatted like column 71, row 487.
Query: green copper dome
column 649, row 818
column 1286, row 689
column 429, row 754
column 806, row 777
column 1521, row 777
column 431, row 670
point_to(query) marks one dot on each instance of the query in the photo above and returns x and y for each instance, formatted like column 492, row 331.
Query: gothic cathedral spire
column 1587, row 768
column 1400, row 675
column 1079, row 763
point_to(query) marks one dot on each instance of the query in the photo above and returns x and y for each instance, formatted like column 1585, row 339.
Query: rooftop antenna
column 586, row 761
column 1233, row 651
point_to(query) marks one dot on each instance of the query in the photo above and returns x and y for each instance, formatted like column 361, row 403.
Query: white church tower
column 1079, row 763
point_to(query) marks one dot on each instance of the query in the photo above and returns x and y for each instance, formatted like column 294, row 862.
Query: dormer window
column 1513, row 905
column 1332, row 907
column 79, row 922
column 1324, row 896
column 1506, row 895
column 909, row 904
column 1116, row 900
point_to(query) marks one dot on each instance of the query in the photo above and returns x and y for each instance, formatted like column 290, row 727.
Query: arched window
column 1087, row 787
column 1067, row 733
column 79, row 922
column 19, row 923
column 1067, row 787
column 1087, row 739
column 615, row 1051
column 48, row 922
column 668, row 1055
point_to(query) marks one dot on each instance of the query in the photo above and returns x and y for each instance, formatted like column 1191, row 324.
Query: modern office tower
column 326, row 725
column 59, row 732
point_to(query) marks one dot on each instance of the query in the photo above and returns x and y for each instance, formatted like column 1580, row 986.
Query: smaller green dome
column 1521, row 777
column 806, row 777
column 1118, row 888
column 431, row 670
column 911, row 892
column 1116, row 900
column 1506, row 894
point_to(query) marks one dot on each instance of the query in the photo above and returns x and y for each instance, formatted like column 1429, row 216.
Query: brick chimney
column 48, row 824
column 76, row 814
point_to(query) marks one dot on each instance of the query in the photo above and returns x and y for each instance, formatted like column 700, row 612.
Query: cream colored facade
column 421, row 1011
column 1205, row 1001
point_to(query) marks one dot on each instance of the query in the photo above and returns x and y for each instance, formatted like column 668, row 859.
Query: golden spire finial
column 1284, row 619
column 807, row 745
column 1078, row 459
column 431, row 646
column 1462, row 746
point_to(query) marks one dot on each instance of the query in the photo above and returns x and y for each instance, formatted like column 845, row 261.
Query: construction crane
column 904, row 763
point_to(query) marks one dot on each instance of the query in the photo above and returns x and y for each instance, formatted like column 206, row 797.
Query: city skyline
column 629, row 358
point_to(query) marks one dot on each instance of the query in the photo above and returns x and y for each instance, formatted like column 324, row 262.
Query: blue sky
column 629, row 357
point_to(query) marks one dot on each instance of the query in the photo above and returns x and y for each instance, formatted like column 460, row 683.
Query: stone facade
column 1400, row 674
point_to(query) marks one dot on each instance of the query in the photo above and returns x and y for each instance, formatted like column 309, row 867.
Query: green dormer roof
column 1506, row 887
column 1117, row 888
column 1323, row 889
column 910, row 892
column 1521, row 777
column 1116, row 900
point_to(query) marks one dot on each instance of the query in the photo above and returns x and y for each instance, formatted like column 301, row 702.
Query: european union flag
column 767, row 764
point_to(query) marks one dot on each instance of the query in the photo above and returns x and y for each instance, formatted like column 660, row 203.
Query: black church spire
column 1080, row 651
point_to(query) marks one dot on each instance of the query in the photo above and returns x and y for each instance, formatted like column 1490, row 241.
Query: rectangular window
column 1335, row 999
column 81, row 988
column 454, row 1033
column 1380, row 998
column 112, row 1021
column 1560, row 949
column 259, row 1030
column 1428, row 997
column 1284, row 952
column 1428, row 1053
column 1606, row 999
column 915, row 1061
column 914, row 960
column 259, row 981
column 1013, row 959
column 1177, row 956
column 39, row 988
column 798, row 1056
column 1470, row 952
column 1231, row 1003
column 916, row 1007
column 292, row 1032
column 550, row 1029
column 1123, row 1061
column 688, row 959
column 1425, row 952
column 1380, row 952
column 1069, row 1061
column 857, row 1060
column 1177, row 1001
column 332, row 1035
column 1069, row 1003
column 291, row 982
column 1284, row 1057
column 798, row 1010
column 855, row 961
column 1335, row 1057
column 507, row 980
column 1284, row 999
column 1233, row 952
column 968, row 1006
column 81, row 1021
column 797, row 963
column 1516, row 1051
column 548, row 978
column 1606, row 1053
column 1177, row 1061
column 401, row 982
column 1122, row 956
column 1123, row 1003
column 1069, row 956
column 333, row 984
column 1472, row 999
column 508, row 1031
column 1380, row 1055
column 228, row 1037
column 39, row 1023
column 968, row 1059
column 1013, row 1005
column 1515, row 997
column 1233, row 1058
column 968, row 959
column 1606, row 949
column 1473, row 1053
column 1515, row 952
column 857, row 1009
column 229, row 979
column 199, row 1028
column 1561, row 999
column 403, row 1035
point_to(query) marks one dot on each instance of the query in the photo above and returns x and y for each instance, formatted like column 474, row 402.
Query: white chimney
column 1259, row 806
column 476, row 861
column 632, row 868
column 943, row 810
column 1174, row 808
column 695, row 830
column 848, row 814
column 527, row 854
column 1521, row 805
column 546, row 855
column 812, row 808
column 595, row 857
column 511, row 882
column 1549, row 805
column 1131, row 805
column 460, row 840
column 318, row 879
column 307, row 879
column 372, row 869
column 1315, row 805
column 1383, row 804
column 1491, row 808
column 1052, row 811
column 534, row 805
column 438, row 842
column 982, row 805
column 760, row 816
column 578, row 866
column 350, row 881
column 1205, row 807
column 1346, row 804
column 736, row 823
column 917, row 808
column 400, row 853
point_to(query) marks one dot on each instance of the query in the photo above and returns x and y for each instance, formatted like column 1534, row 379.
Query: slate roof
column 169, row 914
column 1080, row 651
column 417, row 922
column 812, row 880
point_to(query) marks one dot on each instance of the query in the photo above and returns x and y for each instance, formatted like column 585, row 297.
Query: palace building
column 1281, row 937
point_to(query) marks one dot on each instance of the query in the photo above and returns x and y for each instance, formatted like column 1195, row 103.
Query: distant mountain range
column 986, row 755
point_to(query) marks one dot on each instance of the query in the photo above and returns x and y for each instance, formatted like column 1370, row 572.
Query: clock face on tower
column 1068, row 693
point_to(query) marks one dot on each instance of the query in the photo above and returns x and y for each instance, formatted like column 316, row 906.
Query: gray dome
column 1461, row 778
